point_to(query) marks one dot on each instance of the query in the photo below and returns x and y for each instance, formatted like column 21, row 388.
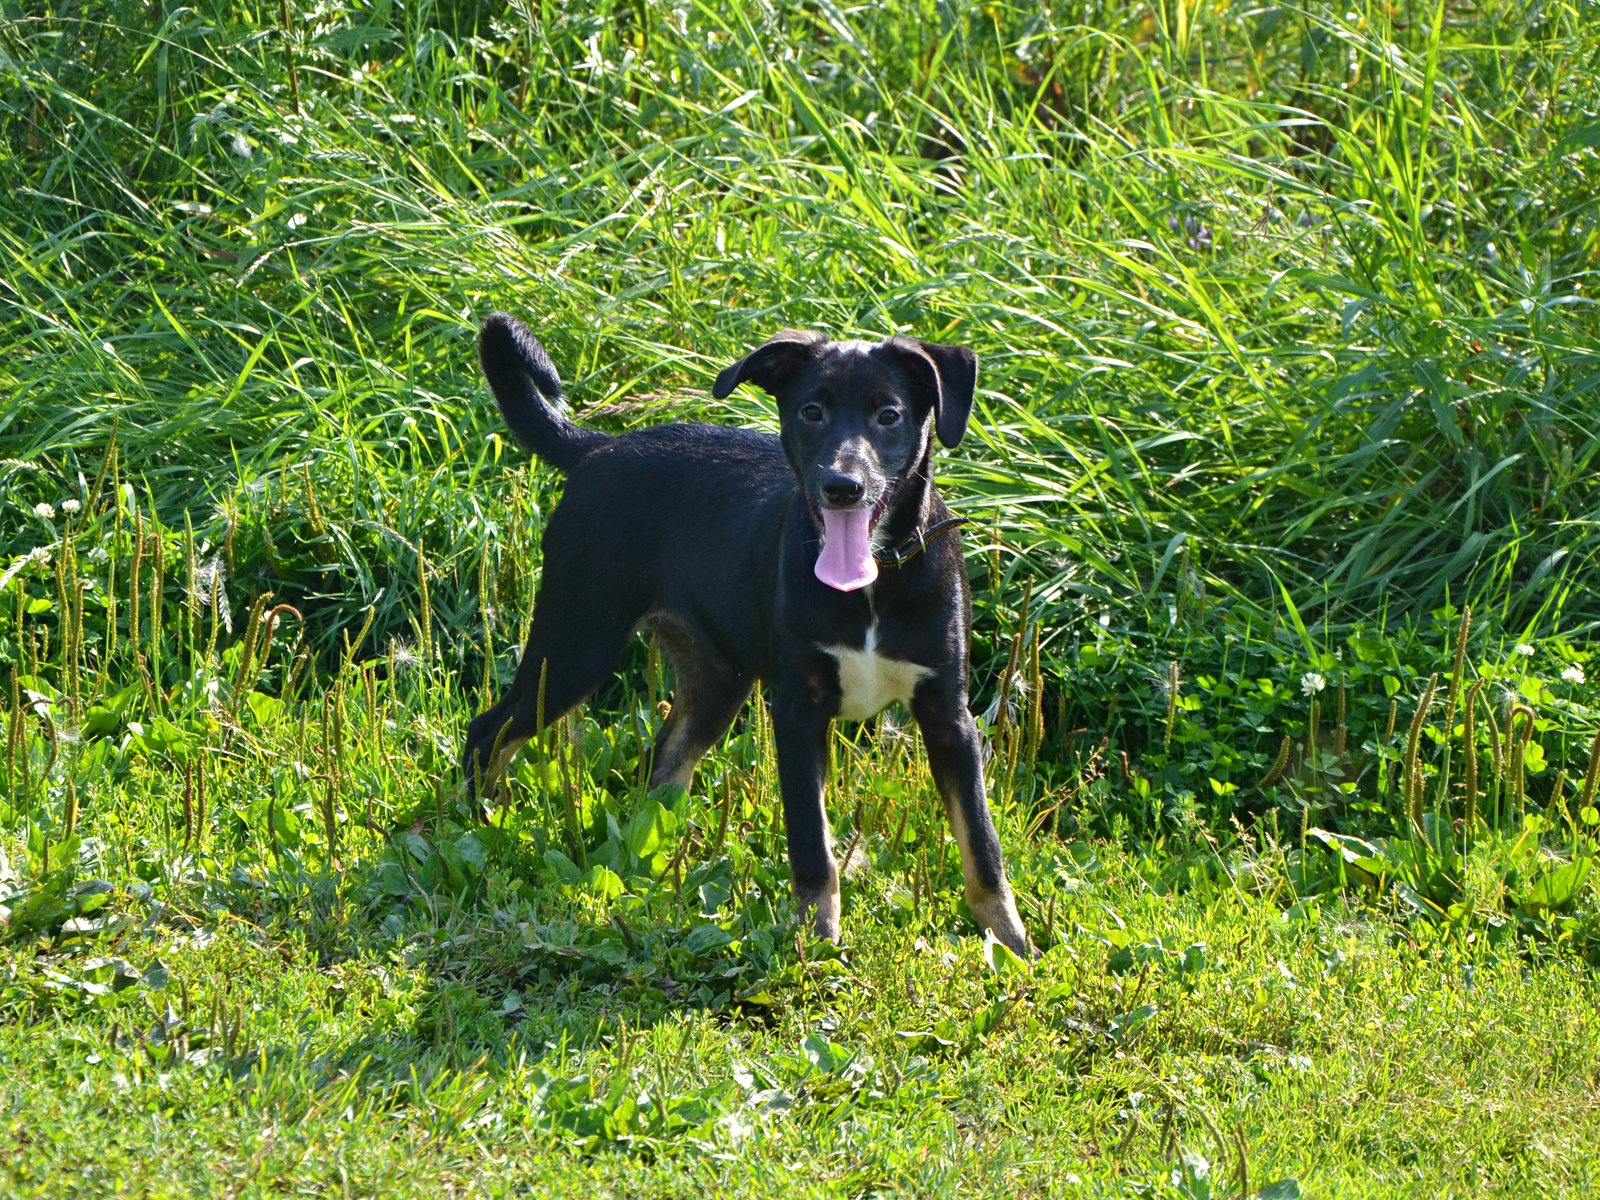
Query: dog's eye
column 811, row 412
column 888, row 416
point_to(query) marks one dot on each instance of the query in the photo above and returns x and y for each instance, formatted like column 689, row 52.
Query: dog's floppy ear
column 950, row 375
column 769, row 363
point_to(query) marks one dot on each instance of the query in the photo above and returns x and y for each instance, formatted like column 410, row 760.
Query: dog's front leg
column 955, row 757
column 800, row 729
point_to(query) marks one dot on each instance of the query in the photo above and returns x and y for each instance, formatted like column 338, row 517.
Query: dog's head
column 856, row 420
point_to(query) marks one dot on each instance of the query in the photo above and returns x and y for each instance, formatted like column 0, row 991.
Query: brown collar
column 917, row 543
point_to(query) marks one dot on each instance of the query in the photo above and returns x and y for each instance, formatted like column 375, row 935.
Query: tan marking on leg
column 683, row 776
column 490, row 778
column 502, row 759
column 997, row 912
column 822, row 904
column 994, row 909
column 822, row 907
column 670, row 766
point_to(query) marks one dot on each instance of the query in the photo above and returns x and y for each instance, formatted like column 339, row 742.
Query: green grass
column 1321, row 1048
column 1288, row 372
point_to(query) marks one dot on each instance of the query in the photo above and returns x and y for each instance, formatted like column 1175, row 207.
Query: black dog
column 814, row 561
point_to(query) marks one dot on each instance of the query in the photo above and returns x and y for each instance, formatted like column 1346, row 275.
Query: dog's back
column 682, row 518
column 685, row 504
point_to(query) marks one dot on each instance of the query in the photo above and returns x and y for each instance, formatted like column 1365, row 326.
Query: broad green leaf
column 562, row 867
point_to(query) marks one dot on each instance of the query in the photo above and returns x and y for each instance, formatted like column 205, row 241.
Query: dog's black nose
column 840, row 490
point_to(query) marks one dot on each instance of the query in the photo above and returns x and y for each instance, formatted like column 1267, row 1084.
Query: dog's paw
column 821, row 908
column 996, row 913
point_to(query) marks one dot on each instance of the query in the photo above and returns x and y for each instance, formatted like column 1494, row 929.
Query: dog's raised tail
column 527, row 389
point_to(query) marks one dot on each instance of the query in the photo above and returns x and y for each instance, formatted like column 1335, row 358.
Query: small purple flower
column 1196, row 234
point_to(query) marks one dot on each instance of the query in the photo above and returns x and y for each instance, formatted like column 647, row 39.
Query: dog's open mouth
column 846, row 561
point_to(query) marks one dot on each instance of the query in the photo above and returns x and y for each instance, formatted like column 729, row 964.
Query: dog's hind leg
column 707, row 696
column 574, row 651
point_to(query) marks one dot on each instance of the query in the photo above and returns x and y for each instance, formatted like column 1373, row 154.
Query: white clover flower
column 44, row 511
column 1311, row 683
column 40, row 555
column 70, row 507
column 1524, row 649
column 1573, row 674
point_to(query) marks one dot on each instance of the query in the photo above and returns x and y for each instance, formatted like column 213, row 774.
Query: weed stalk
column 1591, row 777
column 1457, row 667
column 1470, row 762
column 1519, row 748
column 1413, row 788
column 1279, row 765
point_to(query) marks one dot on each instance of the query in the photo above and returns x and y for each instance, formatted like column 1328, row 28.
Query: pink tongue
column 846, row 559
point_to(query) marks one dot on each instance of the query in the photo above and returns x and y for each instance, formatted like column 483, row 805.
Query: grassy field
column 1285, row 478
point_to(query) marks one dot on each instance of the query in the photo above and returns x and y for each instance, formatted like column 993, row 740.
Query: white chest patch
column 869, row 682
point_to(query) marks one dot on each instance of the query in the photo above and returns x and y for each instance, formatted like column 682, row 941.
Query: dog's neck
column 913, row 501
